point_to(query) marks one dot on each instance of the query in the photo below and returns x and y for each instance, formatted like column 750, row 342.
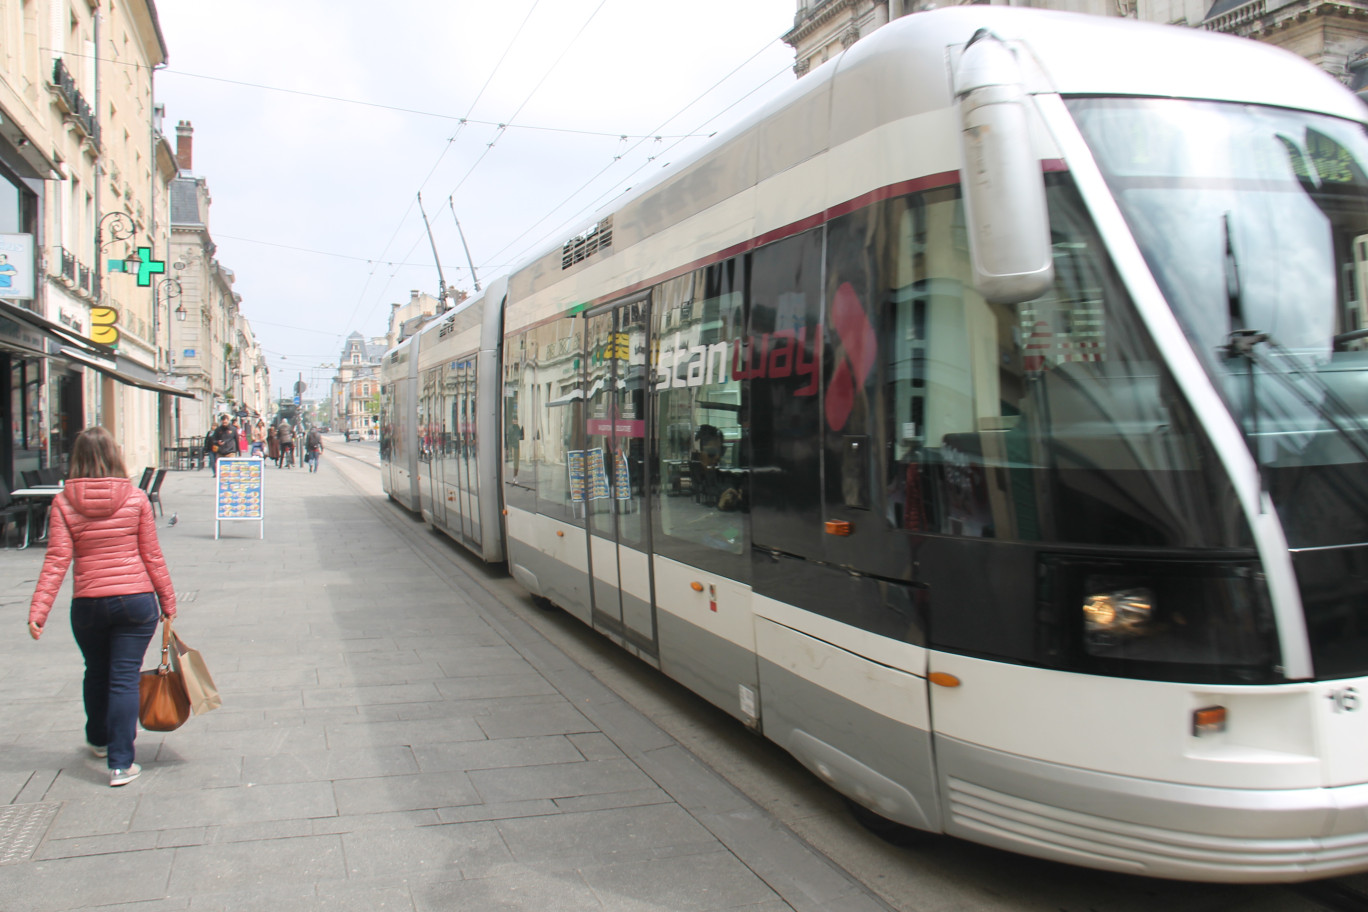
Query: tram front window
column 1056, row 422
column 1254, row 222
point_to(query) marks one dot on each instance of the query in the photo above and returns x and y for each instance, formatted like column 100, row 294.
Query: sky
column 318, row 122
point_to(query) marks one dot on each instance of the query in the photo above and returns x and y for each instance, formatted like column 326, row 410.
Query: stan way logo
column 683, row 362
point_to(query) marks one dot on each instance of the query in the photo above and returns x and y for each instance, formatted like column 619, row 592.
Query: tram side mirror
column 1004, row 189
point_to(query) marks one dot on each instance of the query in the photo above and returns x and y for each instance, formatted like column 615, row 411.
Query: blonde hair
column 96, row 455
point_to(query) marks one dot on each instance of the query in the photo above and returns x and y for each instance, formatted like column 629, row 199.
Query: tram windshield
column 1254, row 221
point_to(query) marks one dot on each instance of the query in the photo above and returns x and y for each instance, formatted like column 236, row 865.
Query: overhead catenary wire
column 383, row 270
column 459, row 119
column 500, row 129
column 619, row 157
column 409, row 210
column 530, row 95
column 656, row 134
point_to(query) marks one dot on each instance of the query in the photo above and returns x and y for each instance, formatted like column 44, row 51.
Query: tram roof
column 904, row 69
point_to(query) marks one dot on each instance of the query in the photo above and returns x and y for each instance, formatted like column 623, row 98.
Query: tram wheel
column 890, row 831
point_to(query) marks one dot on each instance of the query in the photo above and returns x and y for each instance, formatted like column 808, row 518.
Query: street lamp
column 166, row 289
column 121, row 229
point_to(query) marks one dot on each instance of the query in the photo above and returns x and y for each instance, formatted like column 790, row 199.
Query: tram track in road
column 925, row 874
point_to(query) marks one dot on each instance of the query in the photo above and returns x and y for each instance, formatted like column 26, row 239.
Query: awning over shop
column 28, row 333
column 23, row 336
column 38, row 335
column 125, row 371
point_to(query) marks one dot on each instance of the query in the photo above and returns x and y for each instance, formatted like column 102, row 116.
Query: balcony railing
column 68, row 266
column 72, row 101
column 1235, row 18
column 84, row 278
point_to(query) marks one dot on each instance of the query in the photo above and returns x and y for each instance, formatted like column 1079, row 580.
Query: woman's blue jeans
column 113, row 632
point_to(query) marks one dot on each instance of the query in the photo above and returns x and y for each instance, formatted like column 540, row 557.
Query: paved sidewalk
column 391, row 738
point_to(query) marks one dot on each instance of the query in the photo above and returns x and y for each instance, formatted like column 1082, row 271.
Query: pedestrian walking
column 259, row 438
column 273, row 445
column 313, row 446
column 225, row 440
column 104, row 524
column 210, row 454
column 285, row 436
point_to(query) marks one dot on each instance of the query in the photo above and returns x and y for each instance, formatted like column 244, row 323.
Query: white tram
column 982, row 422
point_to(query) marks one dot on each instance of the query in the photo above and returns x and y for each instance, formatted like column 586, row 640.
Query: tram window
column 455, row 435
column 1051, row 420
column 519, row 380
column 428, row 415
column 616, row 380
column 558, row 415
column 702, row 482
column 780, row 355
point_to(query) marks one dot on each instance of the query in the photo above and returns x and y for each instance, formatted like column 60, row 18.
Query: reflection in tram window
column 557, row 410
column 519, row 379
column 1051, row 420
column 702, row 425
column 614, row 403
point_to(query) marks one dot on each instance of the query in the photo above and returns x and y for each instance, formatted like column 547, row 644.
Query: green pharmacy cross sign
column 146, row 266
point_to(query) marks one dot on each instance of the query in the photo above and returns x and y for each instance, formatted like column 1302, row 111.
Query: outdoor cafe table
column 39, row 493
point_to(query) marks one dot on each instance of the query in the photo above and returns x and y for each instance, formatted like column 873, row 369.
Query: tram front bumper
column 1156, row 829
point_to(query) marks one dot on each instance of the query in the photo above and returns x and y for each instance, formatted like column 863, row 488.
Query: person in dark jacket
column 210, row 457
column 313, row 448
column 104, row 524
column 285, row 436
column 225, row 441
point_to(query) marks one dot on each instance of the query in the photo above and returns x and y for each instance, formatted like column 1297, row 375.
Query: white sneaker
column 97, row 750
column 123, row 777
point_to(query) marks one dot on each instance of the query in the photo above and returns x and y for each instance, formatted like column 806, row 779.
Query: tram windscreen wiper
column 1240, row 342
column 1297, row 377
column 1246, row 343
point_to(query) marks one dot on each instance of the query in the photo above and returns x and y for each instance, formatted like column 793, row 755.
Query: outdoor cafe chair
column 154, row 492
column 10, row 511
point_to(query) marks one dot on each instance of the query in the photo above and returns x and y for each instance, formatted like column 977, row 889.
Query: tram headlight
column 1181, row 619
column 1113, row 615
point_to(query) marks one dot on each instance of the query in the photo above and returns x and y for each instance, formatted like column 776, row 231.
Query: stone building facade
column 406, row 318
column 214, row 351
column 84, row 178
column 356, row 387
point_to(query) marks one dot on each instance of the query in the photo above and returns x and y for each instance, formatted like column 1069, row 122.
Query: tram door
column 429, row 446
column 456, row 471
column 611, row 478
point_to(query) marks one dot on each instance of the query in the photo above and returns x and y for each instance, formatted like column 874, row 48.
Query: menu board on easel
column 238, row 492
column 596, row 475
column 574, row 466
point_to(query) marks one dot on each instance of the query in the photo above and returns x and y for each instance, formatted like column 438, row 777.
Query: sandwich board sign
column 238, row 491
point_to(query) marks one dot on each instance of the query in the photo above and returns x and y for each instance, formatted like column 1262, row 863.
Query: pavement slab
column 391, row 738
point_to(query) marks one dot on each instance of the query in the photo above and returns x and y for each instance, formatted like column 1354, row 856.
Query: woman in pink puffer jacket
column 104, row 523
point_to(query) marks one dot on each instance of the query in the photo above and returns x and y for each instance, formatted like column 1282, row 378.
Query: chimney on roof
column 185, row 137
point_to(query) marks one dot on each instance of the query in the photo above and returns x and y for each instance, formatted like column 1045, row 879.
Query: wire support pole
column 441, row 279
column 474, row 279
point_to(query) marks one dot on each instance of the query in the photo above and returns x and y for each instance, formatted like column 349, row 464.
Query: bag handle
column 165, row 666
